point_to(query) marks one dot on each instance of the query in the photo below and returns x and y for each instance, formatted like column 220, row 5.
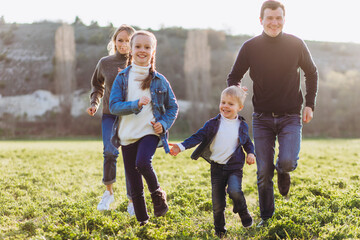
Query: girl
column 102, row 80
column 147, row 108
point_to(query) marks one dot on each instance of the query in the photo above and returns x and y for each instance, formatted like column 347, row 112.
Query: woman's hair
column 273, row 5
column 236, row 92
column 146, row 82
column 111, row 47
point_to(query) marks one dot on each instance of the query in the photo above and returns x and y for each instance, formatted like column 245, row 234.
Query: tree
column 65, row 62
column 197, row 76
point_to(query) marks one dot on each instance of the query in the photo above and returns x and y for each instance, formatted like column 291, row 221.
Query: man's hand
column 157, row 127
column 307, row 114
column 91, row 111
column 143, row 101
column 175, row 150
column 250, row 159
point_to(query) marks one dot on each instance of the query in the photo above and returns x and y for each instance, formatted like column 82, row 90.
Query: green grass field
column 50, row 189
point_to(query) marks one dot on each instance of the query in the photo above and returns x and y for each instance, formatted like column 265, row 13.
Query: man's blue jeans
column 110, row 152
column 266, row 129
column 219, row 180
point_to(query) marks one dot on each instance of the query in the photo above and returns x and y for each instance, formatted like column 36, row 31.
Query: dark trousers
column 219, row 180
column 138, row 163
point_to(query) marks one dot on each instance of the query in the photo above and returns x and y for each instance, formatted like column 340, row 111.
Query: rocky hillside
column 27, row 65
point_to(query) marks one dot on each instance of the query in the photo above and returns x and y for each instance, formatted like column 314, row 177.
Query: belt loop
column 274, row 115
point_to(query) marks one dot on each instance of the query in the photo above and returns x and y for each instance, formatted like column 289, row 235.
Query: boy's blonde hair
column 236, row 92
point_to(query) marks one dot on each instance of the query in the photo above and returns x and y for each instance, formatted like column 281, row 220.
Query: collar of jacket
column 126, row 71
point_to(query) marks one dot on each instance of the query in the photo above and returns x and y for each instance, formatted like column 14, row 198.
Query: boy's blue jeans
column 110, row 152
column 138, row 163
column 266, row 129
column 219, row 180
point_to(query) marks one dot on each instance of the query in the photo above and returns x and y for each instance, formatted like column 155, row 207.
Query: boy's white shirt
column 225, row 141
column 134, row 126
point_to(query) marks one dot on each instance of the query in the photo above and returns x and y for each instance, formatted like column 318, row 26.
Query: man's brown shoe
column 284, row 183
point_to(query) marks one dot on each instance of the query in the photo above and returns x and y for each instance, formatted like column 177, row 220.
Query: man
column 274, row 59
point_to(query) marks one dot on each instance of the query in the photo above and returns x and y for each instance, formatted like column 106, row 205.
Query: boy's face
column 229, row 106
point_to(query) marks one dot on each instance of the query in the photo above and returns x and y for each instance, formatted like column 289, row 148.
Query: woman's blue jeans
column 138, row 163
column 266, row 129
column 110, row 152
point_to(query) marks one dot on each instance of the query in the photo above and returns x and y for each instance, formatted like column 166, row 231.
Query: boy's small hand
column 250, row 159
column 175, row 150
column 157, row 127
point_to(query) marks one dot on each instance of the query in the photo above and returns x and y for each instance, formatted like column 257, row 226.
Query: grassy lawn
column 50, row 189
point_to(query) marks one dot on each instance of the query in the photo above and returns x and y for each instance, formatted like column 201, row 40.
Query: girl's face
column 123, row 42
column 229, row 106
column 142, row 50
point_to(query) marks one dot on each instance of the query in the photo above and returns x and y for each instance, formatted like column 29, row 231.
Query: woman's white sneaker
column 105, row 202
column 130, row 209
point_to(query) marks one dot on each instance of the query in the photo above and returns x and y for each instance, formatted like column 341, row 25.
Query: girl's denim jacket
column 205, row 136
column 163, row 100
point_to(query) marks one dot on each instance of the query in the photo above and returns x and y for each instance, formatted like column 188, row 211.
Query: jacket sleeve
column 311, row 76
column 171, row 108
column 249, row 146
column 239, row 68
column 98, row 86
column 117, row 102
column 196, row 138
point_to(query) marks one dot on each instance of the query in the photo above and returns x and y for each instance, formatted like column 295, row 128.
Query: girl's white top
column 225, row 141
column 135, row 126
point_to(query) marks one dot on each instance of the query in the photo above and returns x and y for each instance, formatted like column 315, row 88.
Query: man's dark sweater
column 103, row 77
column 274, row 68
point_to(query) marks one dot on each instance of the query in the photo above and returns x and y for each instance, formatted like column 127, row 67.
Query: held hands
column 91, row 111
column 143, row 101
column 157, row 127
column 250, row 159
column 307, row 114
column 175, row 150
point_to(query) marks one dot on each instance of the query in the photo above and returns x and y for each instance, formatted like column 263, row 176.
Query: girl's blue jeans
column 138, row 163
column 110, row 152
column 266, row 129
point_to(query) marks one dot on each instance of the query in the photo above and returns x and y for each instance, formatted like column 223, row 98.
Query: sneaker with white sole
column 105, row 202
column 130, row 209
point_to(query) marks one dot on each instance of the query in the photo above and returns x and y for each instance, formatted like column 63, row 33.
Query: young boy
column 223, row 140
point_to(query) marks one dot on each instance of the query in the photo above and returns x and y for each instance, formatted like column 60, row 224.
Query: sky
column 319, row 20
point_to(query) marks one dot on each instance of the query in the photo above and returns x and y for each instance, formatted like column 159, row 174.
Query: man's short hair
column 273, row 5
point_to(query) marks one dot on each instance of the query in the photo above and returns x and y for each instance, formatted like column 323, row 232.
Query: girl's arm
column 117, row 103
column 171, row 108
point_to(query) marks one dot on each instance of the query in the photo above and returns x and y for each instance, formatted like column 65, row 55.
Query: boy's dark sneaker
column 246, row 219
column 284, row 183
column 220, row 234
column 262, row 223
column 143, row 223
column 159, row 202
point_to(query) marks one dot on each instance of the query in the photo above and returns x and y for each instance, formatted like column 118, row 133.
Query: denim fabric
column 205, row 136
column 110, row 152
column 266, row 129
column 137, row 161
column 163, row 100
column 221, row 178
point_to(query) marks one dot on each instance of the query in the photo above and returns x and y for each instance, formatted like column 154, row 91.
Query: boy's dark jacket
column 205, row 136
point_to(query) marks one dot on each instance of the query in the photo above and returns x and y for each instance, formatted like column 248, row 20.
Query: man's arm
column 239, row 68
column 311, row 82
